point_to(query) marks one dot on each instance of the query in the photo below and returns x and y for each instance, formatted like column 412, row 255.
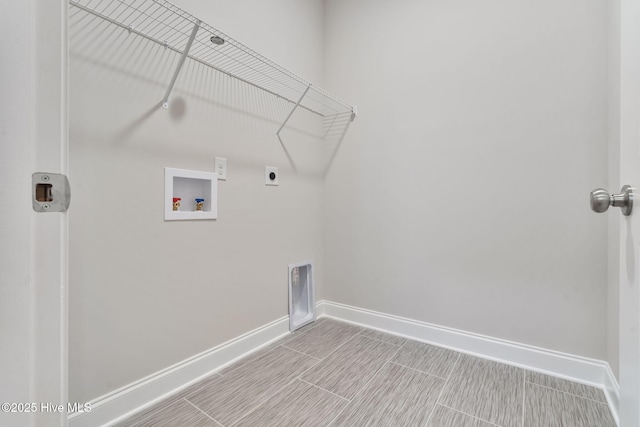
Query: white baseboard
column 575, row 368
column 134, row 397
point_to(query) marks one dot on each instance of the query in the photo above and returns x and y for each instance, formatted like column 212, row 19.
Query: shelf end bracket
column 291, row 113
column 185, row 53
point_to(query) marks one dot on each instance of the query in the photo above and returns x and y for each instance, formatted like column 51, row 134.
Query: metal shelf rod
column 165, row 100
column 291, row 113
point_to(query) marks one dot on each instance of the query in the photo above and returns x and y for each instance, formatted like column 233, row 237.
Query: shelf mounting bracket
column 185, row 53
column 291, row 113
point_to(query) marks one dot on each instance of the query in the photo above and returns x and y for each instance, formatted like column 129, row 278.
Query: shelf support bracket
column 291, row 113
column 185, row 53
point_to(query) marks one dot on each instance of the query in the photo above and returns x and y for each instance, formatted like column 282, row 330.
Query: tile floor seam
column 361, row 333
column 469, row 415
column 417, row 370
column 453, row 367
column 249, row 412
column 375, row 374
column 341, row 345
column 318, row 361
column 329, row 354
column 267, row 352
column 252, row 410
column 375, row 339
column 524, row 394
column 152, row 413
column 207, row 415
column 298, row 351
column 324, row 389
column 570, row 394
column 365, row 385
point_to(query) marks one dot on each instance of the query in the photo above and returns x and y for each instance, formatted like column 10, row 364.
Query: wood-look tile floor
column 332, row 373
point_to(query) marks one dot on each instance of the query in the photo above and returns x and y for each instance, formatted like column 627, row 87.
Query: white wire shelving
column 166, row 24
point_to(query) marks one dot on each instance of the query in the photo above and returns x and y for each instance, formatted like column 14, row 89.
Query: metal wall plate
column 50, row 192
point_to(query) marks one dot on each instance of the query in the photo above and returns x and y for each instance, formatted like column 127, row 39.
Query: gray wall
column 461, row 195
column 145, row 293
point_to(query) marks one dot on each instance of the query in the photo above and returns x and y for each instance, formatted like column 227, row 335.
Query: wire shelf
column 166, row 24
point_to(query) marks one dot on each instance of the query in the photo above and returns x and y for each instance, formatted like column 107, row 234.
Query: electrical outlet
column 221, row 168
column 270, row 175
